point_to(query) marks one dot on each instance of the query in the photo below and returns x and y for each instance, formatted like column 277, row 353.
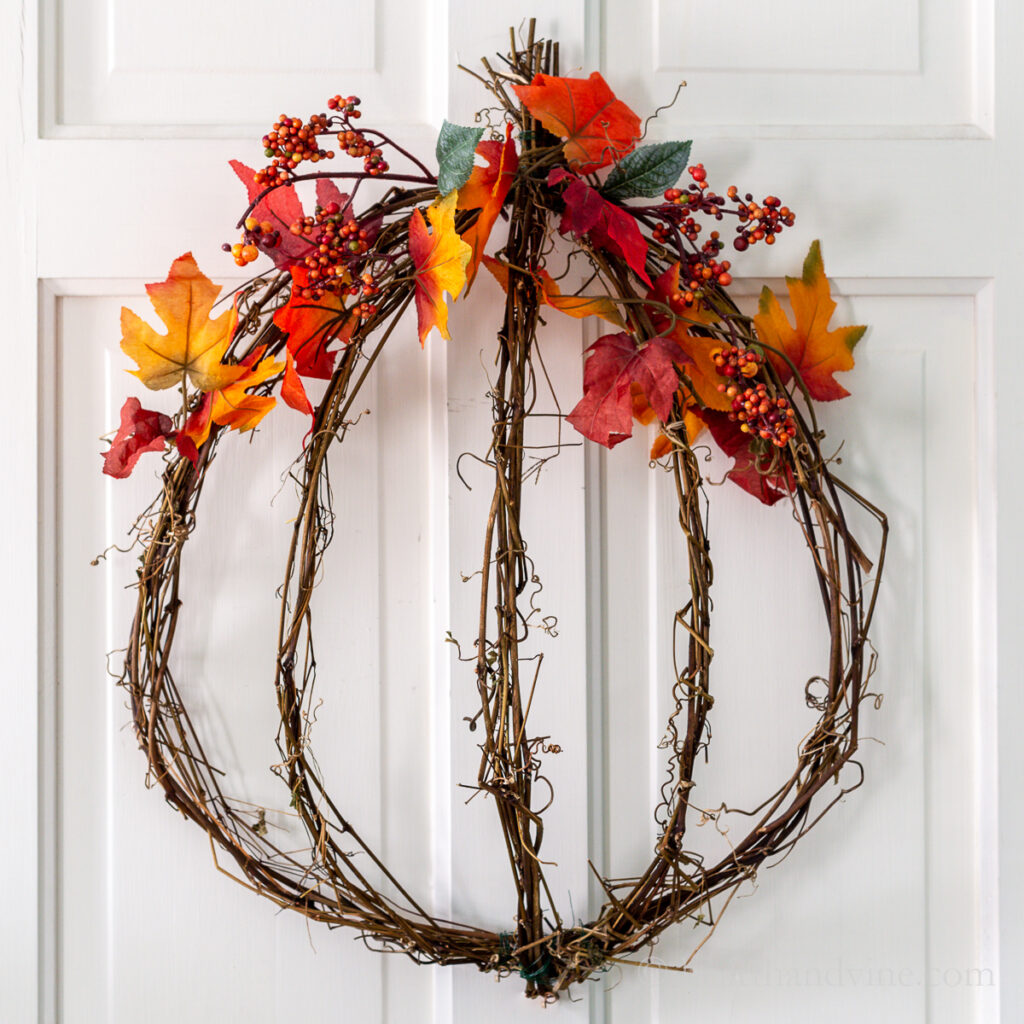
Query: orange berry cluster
column 353, row 143
column 734, row 362
column 366, row 289
column 700, row 270
column 758, row 222
column 771, row 419
column 291, row 140
column 288, row 143
column 257, row 233
column 338, row 242
column 356, row 144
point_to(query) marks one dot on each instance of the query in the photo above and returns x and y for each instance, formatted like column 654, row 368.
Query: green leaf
column 456, row 150
column 647, row 171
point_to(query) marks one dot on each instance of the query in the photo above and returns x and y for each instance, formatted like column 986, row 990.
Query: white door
column 879, row 123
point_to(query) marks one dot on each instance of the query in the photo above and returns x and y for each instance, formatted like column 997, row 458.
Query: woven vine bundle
column 562, row 161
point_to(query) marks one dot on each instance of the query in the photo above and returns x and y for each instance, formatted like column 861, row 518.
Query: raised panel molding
column 195, row 37
column 130, row 69
column 749, row 36
column 874, row 69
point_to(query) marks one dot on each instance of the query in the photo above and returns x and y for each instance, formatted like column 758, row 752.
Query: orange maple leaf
column 194, row 345
column 548, row 293
column 233, row 406
column 643, row 413
column 815, row 351
column 486, row 190
column 701, row 368
column 578, row 306
column 598, row 128
column 440, row 258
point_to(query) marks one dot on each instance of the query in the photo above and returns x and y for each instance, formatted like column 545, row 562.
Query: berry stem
column 390, row 142
column 431, row 180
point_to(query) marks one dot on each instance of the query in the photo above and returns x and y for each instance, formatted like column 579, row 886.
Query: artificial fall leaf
column 194, row 344
column 693, row 425
column 312, row 325
column 598, row 128
column 196, row 429
column 455, row 151
column 141, row 431
column 440, row 258
column 615, row 363
column 231, row 407
column 292, row 391
column 607, row 225
column 642, row 411
column 752, row 469
column 548, row 293
column 486, row 190
column 662, row 446
column 281, row 208
column 700, row 367
column 234, row 407
column 815, row 351
column 647, row 171
column 578, row 306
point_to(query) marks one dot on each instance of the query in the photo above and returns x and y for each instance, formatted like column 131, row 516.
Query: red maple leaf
column 606, row 224
column 141, row 431
column 598, row 128
column 752, row 470
column 281, row 208
column 605, row 413
column 312, row 325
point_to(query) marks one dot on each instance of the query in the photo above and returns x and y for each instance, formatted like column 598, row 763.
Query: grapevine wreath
column 563, row 157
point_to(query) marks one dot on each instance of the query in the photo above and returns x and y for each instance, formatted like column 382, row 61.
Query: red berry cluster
column 257, row 233
column 288, row 143
column 346, row 105
column 338, row 243
column 771, row 419
column 698, row 198
column 758, row 222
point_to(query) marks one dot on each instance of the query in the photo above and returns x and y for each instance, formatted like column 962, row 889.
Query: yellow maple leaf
column 440, row 258
column 194, row 345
